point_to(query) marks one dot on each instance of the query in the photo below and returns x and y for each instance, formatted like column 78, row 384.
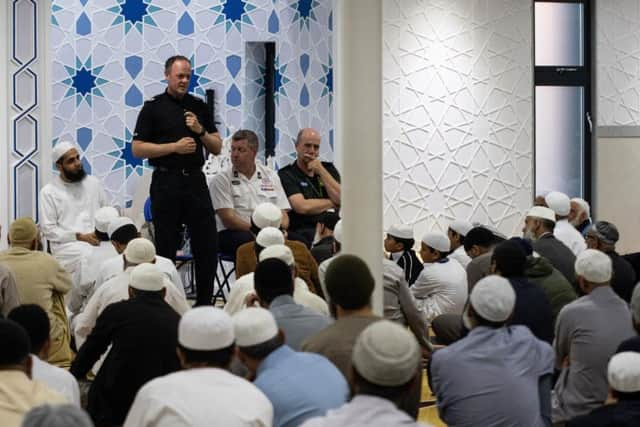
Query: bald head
column 307, row 145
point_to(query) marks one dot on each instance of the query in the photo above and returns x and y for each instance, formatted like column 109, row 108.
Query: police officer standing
column 171, row 131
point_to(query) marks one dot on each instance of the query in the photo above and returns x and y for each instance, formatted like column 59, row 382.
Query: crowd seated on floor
column 540, row 328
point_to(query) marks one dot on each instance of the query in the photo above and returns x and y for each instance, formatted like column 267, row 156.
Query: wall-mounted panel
column 457, row 112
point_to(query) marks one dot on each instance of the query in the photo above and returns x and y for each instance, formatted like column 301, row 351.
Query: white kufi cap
column 542, row 213
column 493, row 298
column 281, row 252
column 461, row 227
column 205, row 328
column 147, row 277
column 103, row 217
column 116, row 223
column 594, row 266
column 337, row 231
column 253, row 326
column 140, row 250
column 400, row 231
column 624, row 372
column 386, row 354
column 269, row 236
column 558, row 202
column 267, row 215
column 60, row 149
column 438, row 241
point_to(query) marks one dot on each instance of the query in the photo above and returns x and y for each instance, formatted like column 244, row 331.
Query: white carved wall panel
column 457, row 112
column 618, row 62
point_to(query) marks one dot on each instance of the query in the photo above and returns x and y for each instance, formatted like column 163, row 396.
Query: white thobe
column 57, row 379
column 200, row 397
column 115, row 265
column 90, row 266
column 572, row 238
column 66, row 209
column 461, row 256
column 243, row 286
column 441, row 288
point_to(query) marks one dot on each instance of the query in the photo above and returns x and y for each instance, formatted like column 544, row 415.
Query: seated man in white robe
column 68, row 205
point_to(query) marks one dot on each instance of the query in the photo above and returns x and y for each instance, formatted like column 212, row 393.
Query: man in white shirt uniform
column 121, row 231
column 35, row 321
column 458, row 229
column 139, row 251
column 68, row 205
column 204, row 392
column 244, row 286
column 564, row 231
column 236, row 191
column 96, row 256
column 441, row 287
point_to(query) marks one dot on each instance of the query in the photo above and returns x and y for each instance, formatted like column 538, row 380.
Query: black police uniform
column 179, row 193
column 295, row 181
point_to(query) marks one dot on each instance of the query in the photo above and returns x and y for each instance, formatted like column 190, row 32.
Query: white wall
column 457, row 93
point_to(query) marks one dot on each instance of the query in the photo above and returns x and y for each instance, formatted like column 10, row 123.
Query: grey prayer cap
column 386, row 354
column 606, row 232
column 56, row 416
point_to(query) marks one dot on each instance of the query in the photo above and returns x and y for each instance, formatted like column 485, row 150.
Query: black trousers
column 176, row 199
column 230, row 241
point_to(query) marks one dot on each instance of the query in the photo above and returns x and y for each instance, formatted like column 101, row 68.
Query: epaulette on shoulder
column 153, row 98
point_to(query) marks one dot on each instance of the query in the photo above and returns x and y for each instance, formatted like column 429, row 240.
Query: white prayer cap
column 438, row 241
column 583, row 204
column 118, row 222
column 624, row 372
column 594, row 266
column 103, row 217
column 493, row 298
column 267, row 215
column 337, row 231
column 147, row 277
column 60, row 149
column 253, row 326
column 269, row 236
column 461, row 227
column 205, row 328
column 558, row 202
column 400, row 231
column 635, row 304
column 140, row 250
column 281, row 252
column 386, row 354
column 542, row 213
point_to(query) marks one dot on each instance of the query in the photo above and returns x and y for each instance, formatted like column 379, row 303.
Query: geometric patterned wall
column 108, row 57
column 457, row 96
column 618, row 62
column 25, row 68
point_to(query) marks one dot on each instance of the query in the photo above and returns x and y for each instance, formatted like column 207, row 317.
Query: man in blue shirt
column 299, row 385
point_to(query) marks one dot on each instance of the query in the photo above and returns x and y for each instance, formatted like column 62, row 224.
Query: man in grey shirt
column 498, row 375
column 588, row 331
column 273, row 282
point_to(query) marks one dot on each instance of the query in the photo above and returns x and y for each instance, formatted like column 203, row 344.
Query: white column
column 5, row 196
column 359, row 130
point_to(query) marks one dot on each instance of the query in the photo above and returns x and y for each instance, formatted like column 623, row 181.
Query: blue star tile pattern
column 280, row 80
column 83, row 81
column 185, row 24
column 84, row 136
column 304, row 11
column 327, row 80
column 134, row 13
column 83, row 25
column 125, row 157
column 232, row 13
column 198, row 80
column 233, row 65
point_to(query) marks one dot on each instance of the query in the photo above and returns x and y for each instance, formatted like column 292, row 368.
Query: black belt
column 178, row 171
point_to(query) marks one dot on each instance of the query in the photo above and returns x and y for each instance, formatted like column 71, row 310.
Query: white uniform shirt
column 66, row 209
column 197, row 398
column 231, row 189
column 461, row 256
column 572, row 238
column 441, row 288
column 57, row 379
column 115, row 265
column 301, row 295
